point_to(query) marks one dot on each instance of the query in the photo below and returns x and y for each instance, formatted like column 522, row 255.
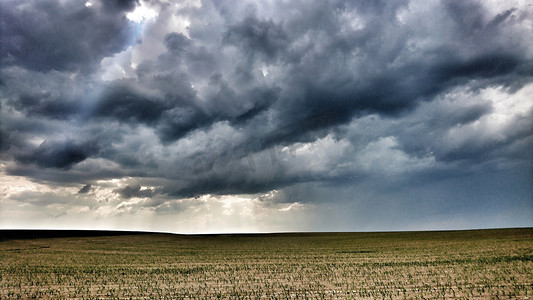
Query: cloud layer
column 149, row 103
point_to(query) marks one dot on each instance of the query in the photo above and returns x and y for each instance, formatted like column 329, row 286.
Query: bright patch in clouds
column 142, row 13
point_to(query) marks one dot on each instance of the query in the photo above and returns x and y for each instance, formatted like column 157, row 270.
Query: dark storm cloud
column 85, row 189
column 321, row 82
column 53, row 95
column 256, row 36
column 492, row 65
column 122, row 102
column 244, row 182
column 40, row 106
column 120, row 5
column 61, row 155
column 62, row 35
column 344, row 74
column 237, row 102
column 171, row 105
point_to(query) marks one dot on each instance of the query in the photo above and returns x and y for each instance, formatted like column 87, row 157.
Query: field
column 460, row 264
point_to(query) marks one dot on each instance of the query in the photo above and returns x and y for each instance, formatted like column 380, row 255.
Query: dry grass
column 462, row 264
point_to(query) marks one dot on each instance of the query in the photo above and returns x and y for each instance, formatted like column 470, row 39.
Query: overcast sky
column 243, row 116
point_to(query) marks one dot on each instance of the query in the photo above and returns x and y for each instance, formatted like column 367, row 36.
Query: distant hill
column 18, row 234
column 13, row 234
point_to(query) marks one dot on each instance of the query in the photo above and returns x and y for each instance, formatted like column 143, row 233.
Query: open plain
column 447, row 264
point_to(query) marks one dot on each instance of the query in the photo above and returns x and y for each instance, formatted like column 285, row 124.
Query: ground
column 460, row 264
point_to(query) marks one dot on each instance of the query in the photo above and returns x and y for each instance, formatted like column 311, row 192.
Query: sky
column 266, row 116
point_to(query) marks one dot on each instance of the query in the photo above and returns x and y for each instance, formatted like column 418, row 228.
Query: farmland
column 469, row 264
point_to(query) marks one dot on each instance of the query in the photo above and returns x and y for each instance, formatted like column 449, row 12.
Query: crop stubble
column 470, row 264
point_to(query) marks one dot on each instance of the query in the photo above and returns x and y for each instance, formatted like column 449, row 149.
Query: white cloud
column 142, row 13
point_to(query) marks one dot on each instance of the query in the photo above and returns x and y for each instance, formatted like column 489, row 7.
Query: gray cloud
column 135, row 191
